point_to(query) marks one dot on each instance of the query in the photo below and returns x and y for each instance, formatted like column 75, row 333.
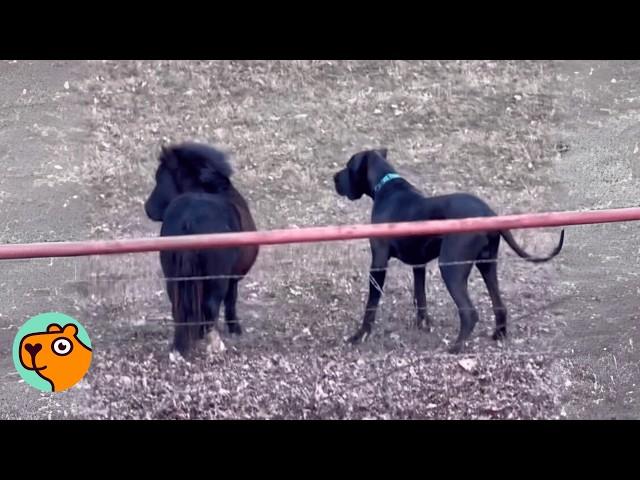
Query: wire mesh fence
column 297, row 306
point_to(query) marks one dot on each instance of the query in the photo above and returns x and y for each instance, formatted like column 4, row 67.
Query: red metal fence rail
column 316, row 234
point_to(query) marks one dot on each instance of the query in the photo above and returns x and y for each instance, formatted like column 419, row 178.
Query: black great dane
column 396, row 200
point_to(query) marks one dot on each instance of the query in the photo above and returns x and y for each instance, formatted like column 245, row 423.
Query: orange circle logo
column 52, row 352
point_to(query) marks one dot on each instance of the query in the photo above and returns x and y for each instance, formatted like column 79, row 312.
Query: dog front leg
column 420, row 298
column 376, row 284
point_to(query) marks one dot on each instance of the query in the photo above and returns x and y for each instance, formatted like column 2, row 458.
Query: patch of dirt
column 42, row 135
column 599, row 123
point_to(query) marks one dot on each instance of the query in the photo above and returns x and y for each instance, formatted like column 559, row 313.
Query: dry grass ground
column 480, row 127
column 42, row 134
column 600, row 104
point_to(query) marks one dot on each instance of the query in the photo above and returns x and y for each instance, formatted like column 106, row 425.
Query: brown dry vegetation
column 478, row 126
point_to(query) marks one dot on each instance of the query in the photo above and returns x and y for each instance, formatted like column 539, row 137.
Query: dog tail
column 506, row 234
column 187, row 299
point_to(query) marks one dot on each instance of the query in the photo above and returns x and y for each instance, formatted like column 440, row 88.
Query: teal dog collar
column 387, row 178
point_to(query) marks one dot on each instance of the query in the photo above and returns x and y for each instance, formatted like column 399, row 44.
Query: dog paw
column 360, row 337
column 456, row 348
column 424, row 323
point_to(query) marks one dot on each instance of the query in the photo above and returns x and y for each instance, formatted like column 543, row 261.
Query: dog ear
column 382, row 152
column 356, row 169
column 355, row 163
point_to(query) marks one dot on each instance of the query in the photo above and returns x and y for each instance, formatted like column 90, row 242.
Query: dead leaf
column 468, row 364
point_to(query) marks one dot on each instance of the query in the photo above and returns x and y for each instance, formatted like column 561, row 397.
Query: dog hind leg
column 488, row 268
column 456, row 260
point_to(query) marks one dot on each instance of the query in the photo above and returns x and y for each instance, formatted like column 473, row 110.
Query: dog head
column 188, row 167
column 354, row 180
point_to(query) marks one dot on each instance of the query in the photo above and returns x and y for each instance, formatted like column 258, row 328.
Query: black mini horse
column 194, row 195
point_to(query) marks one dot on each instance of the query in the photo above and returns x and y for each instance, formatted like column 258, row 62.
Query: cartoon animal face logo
column 57, row 355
